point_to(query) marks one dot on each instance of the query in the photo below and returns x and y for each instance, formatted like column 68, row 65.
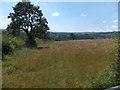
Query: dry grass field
column 63, row 64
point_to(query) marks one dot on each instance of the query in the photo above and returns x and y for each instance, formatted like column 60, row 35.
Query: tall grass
column 64, row 64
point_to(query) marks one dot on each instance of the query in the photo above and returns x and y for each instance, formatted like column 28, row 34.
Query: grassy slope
column 64, row 64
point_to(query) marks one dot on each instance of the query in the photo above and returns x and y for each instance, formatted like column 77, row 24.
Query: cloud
column 115, row 21
column 104, row 21
column 83, row 15
column 114, row 26
column 55, row 14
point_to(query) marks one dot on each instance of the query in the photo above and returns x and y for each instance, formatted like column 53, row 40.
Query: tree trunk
column 31, row 41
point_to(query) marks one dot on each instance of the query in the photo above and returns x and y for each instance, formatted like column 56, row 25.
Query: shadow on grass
column 42, row 47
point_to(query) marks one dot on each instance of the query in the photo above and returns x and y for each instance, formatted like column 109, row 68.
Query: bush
column 117, row 64
column 10, row 43
column 6, row 48
column 104, row 80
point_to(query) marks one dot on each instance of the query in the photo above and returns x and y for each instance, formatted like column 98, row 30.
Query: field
column 61, row 64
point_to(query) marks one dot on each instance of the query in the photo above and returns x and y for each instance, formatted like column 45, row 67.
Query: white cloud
column 115, row 21
column 104, row 21
column 55, row 14
column 83, row 15
column 114, row 26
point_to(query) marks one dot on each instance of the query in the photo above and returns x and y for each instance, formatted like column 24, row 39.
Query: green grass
column 63, row 64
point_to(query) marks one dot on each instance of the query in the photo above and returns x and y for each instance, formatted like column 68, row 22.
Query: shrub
column 6, row 48
column 104, row 80
column 10, row 43
column 117, row 64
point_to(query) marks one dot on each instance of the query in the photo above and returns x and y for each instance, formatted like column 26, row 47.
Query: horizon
column 76, row 32
column 76, row 17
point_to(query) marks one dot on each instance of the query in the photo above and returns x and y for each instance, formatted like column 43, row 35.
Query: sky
column 72, row 16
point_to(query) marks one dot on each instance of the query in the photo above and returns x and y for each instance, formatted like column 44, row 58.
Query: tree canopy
column 28, row 18
column 72, row 36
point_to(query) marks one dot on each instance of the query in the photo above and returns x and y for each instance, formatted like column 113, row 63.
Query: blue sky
column 73, row 16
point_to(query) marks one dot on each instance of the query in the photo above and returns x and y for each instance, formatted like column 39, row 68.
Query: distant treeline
column 60, row 36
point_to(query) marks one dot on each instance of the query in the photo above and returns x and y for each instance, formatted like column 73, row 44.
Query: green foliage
column 104, row 80
column 41, row 31
column 72, row 36
column 9, row 68
column 58, row 38
column 10, row 43
column 28, row 18
column 15, row 42
column 107, row 80
column 6, row 48
column 117, row 65
column 61, row 36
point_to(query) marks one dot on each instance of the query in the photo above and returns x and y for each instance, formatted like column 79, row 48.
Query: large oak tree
column 28, row 18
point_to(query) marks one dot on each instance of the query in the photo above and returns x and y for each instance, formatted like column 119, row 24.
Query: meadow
column 72, row 63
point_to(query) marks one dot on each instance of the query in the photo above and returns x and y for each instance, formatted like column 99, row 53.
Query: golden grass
column 64, row 64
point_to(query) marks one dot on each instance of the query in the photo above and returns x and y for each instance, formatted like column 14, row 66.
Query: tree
column 72, row 36
column 28, row 18
column 40, row 31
